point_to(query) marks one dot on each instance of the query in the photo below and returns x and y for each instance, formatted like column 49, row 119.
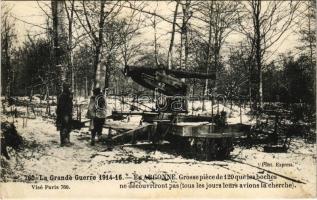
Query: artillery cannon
column 201, row 137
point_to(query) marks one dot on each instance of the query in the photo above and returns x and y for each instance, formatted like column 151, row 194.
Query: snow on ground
column 42, row 155
column 115, row 103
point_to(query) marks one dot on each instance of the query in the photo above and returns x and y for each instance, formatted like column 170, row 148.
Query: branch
column 150, row 13
column 29, row 22
column 87, row 31
column 48, row 15
column 88, row 23
column 284, row 28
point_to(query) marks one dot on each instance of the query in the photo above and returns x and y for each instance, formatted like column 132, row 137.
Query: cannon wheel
column 203, row 148
column 213, row 149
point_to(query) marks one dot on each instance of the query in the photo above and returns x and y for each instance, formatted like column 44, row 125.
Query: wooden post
column 122, row 103
column 79, row 112
column 86, row 87
column 49, row 108
column 12, row 115
column 115, row 101
column 212, row 107
column 217, row 106
column 33, row 110
column 275, row 134
column 24, row 122
column 109, row 132
column 240, row 112
column 27, row 110
column 193, row 93
column 15, row 112
column 31, row 94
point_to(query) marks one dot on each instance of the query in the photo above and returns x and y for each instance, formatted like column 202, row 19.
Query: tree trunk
column 7, row 71
column 8, row 67
column 261, row 88
column 98, row 49
column 108, row 70
column 70, row 16
column 170, row 49
column 184, row 37
column 208, row 63
column 86, row 87
column 97, row 67
column 155, row 43
column 58, row 33
column 258, row 52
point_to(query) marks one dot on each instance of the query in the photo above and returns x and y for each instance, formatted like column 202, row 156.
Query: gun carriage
column 202, row 137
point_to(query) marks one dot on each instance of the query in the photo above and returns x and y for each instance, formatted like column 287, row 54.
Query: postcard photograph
column 158, row 99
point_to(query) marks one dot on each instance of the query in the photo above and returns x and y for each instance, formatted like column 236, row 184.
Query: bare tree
column 70, row 18
column 119, row 44
column 263, row 24
column 306, row 23
column 95, row 15
column 143, row 9
column 60, row 27
column 130, row 29
column 154, row 23
column 70, row 35
column 170, row 49
column 219, row 18
column 187, row 13
column 7, row 38
column 59, row 42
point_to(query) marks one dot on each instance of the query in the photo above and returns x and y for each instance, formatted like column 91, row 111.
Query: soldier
column 64, row 113
column 97, row 114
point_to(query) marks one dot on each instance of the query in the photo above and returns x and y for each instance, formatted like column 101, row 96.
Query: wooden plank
column 207, row 130
column 133, row 113
column 220, row 135
column 132, row 136
column 120, row 125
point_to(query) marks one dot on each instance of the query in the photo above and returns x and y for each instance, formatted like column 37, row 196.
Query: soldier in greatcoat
column 64, row 112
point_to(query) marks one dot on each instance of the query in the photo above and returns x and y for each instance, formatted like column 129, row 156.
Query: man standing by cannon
column 96, row 113
column 64, row 112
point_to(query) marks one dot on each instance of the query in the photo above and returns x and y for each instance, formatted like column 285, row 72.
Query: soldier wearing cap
column 64, row 113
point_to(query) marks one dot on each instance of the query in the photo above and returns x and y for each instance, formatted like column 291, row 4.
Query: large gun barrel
column 166, row 81
column 177, row 73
